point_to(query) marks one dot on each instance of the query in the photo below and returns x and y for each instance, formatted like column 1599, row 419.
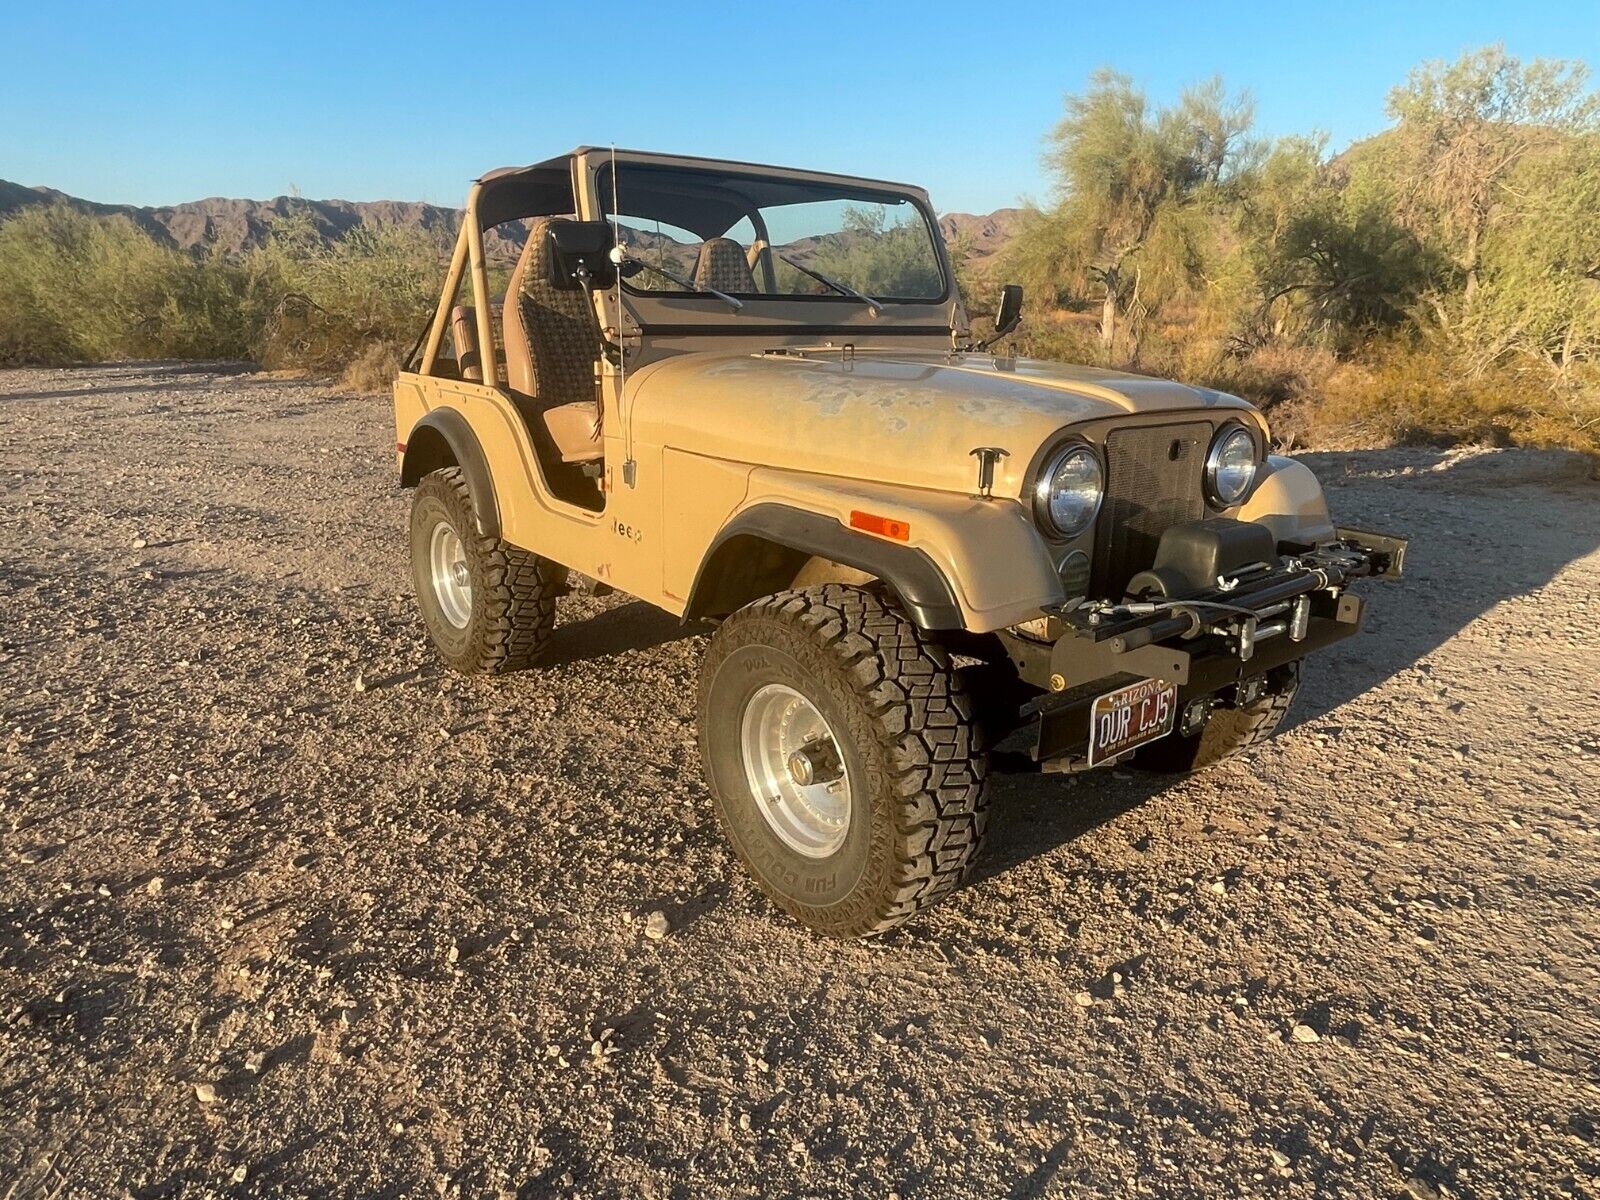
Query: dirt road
column 268, row 931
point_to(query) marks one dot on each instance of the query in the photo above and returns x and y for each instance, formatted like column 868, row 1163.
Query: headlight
column 1230, row 466
column 1068, row 493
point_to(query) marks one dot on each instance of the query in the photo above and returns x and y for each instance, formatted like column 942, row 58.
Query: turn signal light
column 887, row 527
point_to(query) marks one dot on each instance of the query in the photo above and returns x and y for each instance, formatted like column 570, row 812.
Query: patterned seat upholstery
column 552, row 344
column 722, row 265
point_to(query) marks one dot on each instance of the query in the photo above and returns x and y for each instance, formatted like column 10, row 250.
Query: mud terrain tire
column 503, row 618
column 907, row 748
column 1228, row 732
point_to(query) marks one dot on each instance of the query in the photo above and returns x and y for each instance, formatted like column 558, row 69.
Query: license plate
column 1131, row 716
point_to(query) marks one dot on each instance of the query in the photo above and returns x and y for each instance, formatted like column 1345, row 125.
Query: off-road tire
column 1228, row 732
column 513, row 591
column 911, row 748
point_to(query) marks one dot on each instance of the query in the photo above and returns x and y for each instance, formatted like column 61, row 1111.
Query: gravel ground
column 286, row 910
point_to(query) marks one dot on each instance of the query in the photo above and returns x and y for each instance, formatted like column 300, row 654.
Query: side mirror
column 580, row 255
column 1010, row 314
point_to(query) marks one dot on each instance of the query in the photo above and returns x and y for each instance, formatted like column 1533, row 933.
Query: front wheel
column 489, row 606
column 843, row 753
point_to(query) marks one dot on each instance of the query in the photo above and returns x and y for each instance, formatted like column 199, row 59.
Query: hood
column 893, row 416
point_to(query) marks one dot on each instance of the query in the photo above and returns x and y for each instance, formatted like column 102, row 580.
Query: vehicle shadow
column 1482, row 534
column 1484, row 530
column 1032, row 813
column 632, row 625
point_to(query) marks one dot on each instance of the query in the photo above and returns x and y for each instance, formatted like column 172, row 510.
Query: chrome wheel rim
column 795, row 770
column 452, row 580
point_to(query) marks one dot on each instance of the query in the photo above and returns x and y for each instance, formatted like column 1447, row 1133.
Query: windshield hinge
column 630, row 338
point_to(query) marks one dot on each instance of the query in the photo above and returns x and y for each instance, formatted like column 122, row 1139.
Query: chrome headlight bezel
column 1232, row 434
column 1044, row 490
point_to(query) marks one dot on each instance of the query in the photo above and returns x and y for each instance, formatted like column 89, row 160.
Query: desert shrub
column 1268, row 377
column 81, row 288
column 360, row 299
column 877, row 257
column 75, row 287
column 374, row 367
column 1438, row 281
column 1423, row 397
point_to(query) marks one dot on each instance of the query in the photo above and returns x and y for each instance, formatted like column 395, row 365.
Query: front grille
column 1154, row 480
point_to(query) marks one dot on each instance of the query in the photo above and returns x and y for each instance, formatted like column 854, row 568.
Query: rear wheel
column 1228, row 732
column 846, row 763
column 489, row 607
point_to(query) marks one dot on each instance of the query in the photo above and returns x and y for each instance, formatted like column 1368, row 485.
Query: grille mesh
column 1153, row 481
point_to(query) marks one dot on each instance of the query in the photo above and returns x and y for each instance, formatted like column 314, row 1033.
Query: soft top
column 545, row 188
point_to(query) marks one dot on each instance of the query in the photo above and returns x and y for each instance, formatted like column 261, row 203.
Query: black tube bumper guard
column 1217, row 646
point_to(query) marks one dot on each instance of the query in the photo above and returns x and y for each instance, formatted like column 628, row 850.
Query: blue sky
column 151, row 103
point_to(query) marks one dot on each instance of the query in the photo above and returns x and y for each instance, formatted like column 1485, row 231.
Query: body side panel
column 620, row 545
column 699, row 496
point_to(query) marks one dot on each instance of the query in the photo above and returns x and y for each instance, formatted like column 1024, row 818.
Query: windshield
column 755, row 236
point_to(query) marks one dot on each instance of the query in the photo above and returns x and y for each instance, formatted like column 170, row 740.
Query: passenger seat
column 552, row 345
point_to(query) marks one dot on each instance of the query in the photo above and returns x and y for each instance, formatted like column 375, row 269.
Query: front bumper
column 1218, row 645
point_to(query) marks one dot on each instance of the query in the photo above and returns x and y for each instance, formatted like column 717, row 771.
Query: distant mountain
column 980, row 236
column 238, row 225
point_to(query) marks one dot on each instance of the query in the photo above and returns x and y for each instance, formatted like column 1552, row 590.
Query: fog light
column 1194, row 716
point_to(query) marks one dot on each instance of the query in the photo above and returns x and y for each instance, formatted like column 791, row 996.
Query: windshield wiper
column 687, row 285
column 844, row 289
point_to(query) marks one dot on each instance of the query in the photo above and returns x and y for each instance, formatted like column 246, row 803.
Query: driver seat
column 552, row 345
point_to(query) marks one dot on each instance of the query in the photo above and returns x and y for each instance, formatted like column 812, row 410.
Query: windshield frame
column 864, row 191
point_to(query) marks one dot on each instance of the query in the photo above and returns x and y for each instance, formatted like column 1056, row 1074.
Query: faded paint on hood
column 894, row 416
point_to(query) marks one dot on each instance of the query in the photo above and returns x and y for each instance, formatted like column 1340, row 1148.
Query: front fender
column 987, row 551
column 920, row 585
column 1288, row 500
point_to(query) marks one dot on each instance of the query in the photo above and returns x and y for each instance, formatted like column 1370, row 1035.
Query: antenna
column 629, row 467
column 616, row 213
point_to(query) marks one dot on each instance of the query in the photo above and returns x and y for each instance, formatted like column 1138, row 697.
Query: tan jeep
column 750, row 396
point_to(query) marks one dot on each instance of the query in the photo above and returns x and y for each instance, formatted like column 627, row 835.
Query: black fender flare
column 921, row 586
column 447, row 429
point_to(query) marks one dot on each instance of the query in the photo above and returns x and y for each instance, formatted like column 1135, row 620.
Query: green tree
column 878, row 257
column 1136, row 192
column 1325, row 263
column 1463, row 130
column 1538, row 309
